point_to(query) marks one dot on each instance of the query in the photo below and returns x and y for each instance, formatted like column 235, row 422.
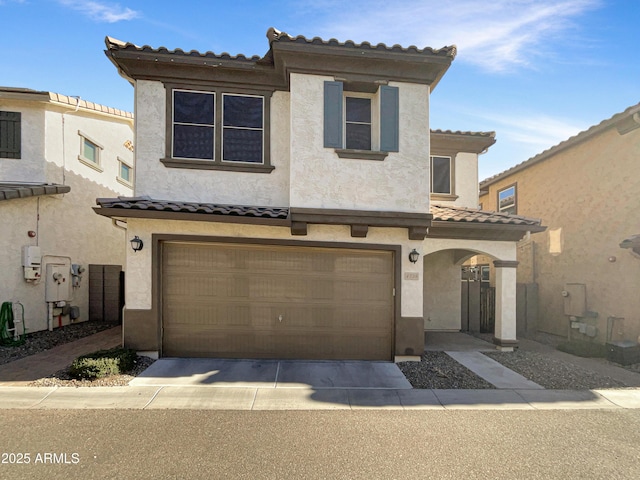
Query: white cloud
column 496, row 35
column 101, row 12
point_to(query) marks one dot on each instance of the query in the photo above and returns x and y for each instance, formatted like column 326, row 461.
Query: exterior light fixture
column 413, row 255
column 136, row 244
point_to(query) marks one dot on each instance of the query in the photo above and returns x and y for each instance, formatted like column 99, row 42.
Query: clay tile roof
column 146, row 203
column 276, row 36
column 9, row 191
column 631, row 115
column 472, row 215
column 115, row 44
column 461, row 133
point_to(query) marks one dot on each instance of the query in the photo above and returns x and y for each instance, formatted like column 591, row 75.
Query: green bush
column 102, row 363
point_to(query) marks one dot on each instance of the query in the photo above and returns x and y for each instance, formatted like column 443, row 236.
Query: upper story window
column 90, row 152
column 243, row 127
column 193, row 125
column 441, row 175
column 357, row 133
column 507, row 200
column 10, row 134
column 361, row 125
column 218, row 130
column 125, row 173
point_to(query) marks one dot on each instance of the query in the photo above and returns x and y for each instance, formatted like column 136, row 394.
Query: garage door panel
column 265, row 301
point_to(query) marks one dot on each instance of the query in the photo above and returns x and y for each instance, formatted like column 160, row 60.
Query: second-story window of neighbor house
column 243, row 126
column 90, row 151
column 441, row 175
column 10, row 134
column 358, row 123
column 507, row 201
column 193, row 125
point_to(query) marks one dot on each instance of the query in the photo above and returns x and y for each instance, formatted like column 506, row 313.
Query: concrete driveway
column 272, row 374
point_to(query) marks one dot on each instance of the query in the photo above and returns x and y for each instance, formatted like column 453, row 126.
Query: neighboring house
column 586, row 191
column 58, row 153
column 284, row 203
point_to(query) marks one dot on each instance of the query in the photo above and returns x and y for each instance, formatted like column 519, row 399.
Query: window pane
column 90, row 151
column 241, row 145
column 358, row 136
column 125, row 172
column 441, row 175
column 242, row 111
column 192, row 107
column 507, row 200
column 190, row 141
column 358, row 109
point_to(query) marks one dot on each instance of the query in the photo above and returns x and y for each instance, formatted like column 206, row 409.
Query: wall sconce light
column 136, row 244
column 413, row 256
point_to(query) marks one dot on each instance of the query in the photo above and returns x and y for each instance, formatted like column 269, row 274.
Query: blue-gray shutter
column 333, row 114
column 389, row 118
column 10, row 134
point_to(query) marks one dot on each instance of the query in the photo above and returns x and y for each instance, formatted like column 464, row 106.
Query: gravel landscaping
column 438, row 370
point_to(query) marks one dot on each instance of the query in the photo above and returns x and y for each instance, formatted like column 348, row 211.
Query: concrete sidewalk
column 247, row 398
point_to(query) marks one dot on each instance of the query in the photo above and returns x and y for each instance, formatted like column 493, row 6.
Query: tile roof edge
column 569, row 142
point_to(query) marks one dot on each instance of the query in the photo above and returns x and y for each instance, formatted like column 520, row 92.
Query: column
column 505, row 325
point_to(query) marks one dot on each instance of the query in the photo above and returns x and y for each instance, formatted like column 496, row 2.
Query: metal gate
column 487, row 309
column 478, row 303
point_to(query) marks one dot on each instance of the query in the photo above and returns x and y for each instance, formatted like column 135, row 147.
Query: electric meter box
column 31, row 256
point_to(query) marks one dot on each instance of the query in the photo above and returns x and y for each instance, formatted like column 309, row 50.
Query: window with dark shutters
column 10, row 138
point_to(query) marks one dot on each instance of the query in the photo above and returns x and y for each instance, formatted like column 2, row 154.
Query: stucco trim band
column 505, row 263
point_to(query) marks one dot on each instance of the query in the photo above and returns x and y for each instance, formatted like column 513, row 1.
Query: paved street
column 563, row 444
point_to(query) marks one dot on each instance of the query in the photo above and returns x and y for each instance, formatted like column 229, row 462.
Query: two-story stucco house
column 297, row 205
column 56, row 154
column 584, row 268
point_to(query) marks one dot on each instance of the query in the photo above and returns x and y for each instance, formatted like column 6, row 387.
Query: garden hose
column 7, row 326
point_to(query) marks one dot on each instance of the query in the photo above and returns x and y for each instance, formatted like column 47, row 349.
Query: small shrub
column 103, row 363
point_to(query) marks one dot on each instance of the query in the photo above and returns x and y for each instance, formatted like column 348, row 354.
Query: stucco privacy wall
column 138, row 286
column 589, row 192
column 193, row 185
column 320, row 179
column 30, row 167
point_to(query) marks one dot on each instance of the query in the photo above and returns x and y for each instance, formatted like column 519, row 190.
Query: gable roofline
column 286, row 54
column 27, row 94
column 457, row 141
column 624, row 122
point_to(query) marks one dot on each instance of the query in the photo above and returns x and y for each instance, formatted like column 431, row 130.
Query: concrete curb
column 250, row 398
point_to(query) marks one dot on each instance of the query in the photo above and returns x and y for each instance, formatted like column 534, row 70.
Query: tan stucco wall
column 320, row 179
column 65, row 225
column 589, row 192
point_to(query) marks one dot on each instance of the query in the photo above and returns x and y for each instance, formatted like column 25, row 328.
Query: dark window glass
column 241, row 145
column 240, row 111
column 358, row 136
column 192, row 141
column 358, row 110
column 193, row 107
column 440, row 175
column 358, row 123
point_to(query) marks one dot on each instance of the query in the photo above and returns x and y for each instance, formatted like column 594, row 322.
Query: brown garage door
column 266, row 301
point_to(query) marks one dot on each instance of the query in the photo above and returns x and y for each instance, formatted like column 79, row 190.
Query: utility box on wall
column 575, row 299
column 105, row 293
column 57, row 283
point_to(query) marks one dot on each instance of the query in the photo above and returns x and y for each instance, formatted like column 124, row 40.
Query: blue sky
column 534, row 71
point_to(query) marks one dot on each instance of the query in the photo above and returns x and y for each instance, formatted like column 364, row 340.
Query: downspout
column 64, row 156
